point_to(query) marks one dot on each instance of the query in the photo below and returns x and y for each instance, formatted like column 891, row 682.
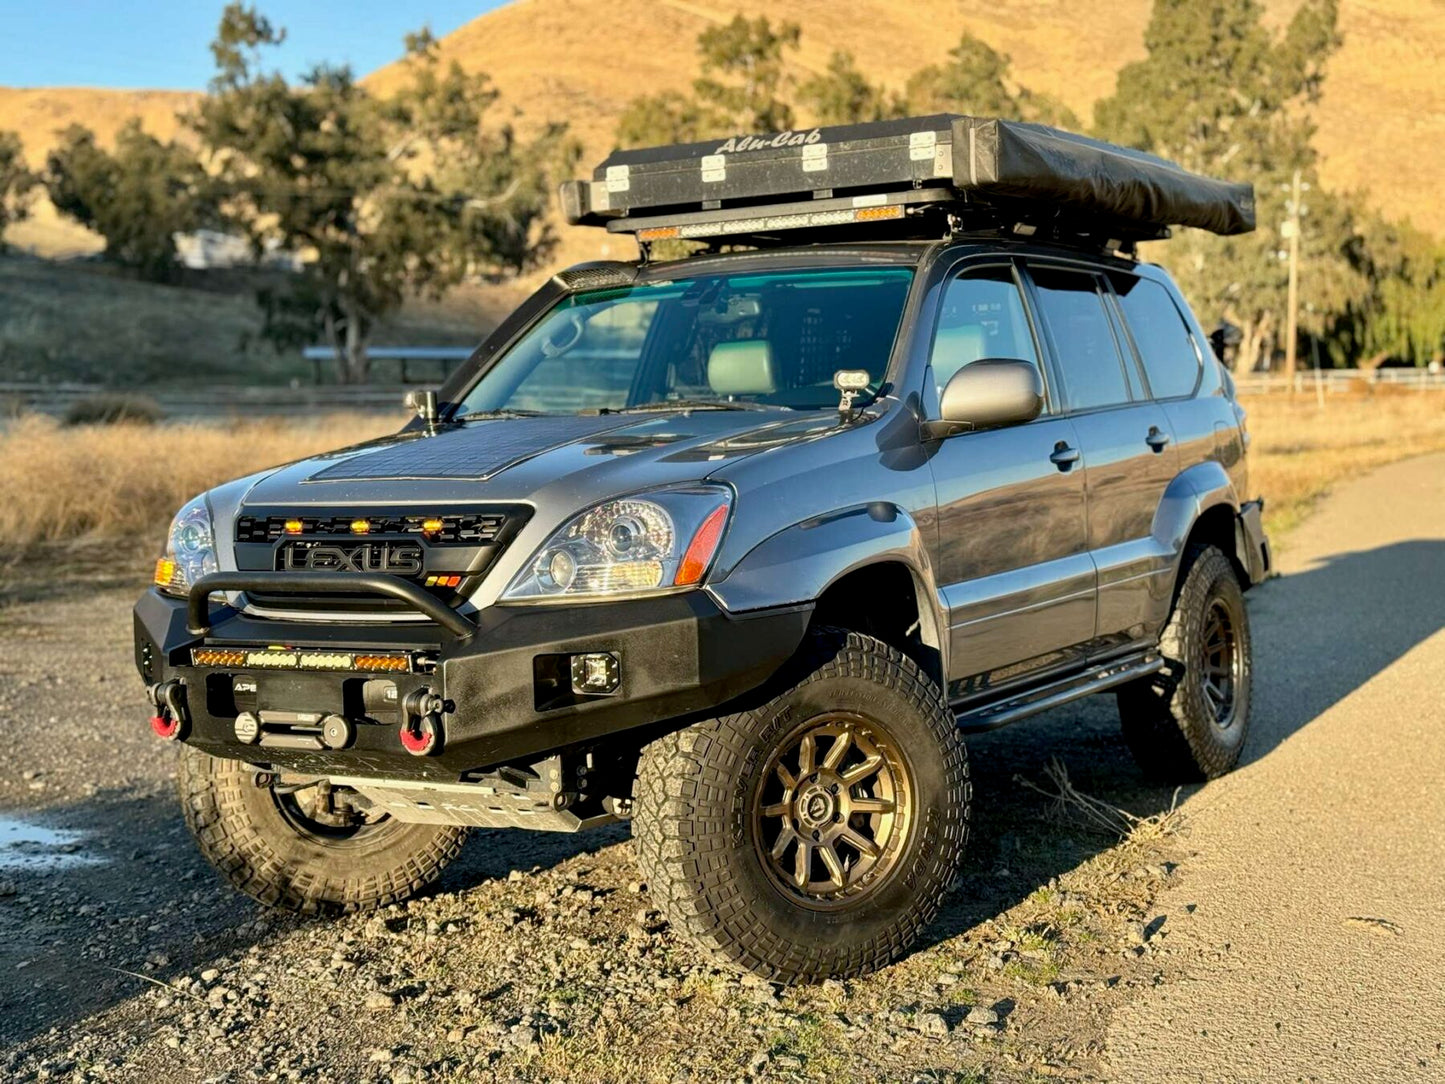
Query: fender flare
column 1195, row 491
column 799, row 563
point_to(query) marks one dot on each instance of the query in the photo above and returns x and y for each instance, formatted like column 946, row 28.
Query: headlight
column 190, row 549
column 653, row 543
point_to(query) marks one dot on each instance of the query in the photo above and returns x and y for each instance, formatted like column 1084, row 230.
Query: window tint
column 1161, row 335
column 982, row 317
column 1074, row 310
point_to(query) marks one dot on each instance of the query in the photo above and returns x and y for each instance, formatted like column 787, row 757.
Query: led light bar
column 770, row 223
column 282, row 658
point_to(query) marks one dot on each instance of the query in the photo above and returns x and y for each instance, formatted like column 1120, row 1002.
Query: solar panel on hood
column 480, row 450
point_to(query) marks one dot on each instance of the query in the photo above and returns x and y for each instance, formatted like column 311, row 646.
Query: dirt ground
column 1063, row 952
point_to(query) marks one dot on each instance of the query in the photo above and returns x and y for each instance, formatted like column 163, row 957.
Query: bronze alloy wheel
column 1220, row 662
column 833, row 810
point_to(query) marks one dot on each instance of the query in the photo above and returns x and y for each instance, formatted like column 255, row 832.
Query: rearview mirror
column 989, row 393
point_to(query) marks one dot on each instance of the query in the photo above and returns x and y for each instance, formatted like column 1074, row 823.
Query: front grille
column 445, row 553
column 464, row 529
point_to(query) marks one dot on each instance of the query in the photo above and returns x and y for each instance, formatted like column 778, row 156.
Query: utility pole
column 1291, row 231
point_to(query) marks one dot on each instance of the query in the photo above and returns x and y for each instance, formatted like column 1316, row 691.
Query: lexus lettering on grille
column 398, row 558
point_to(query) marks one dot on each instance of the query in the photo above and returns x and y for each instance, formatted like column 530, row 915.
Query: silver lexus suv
column 738, row 547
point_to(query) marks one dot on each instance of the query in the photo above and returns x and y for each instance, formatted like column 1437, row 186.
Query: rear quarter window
column 1167, row 349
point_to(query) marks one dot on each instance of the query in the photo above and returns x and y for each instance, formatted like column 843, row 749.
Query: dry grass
column 113, row 482
column 90, row 322
column 123, row 482
column 1068, row 803
column 1301, row 450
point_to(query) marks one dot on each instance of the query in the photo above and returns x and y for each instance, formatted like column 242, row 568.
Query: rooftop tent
column 920, row 176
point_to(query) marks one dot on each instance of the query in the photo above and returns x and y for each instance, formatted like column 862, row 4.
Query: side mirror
column 987, row 394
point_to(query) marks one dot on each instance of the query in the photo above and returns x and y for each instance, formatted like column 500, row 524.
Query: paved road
column 1318, row 889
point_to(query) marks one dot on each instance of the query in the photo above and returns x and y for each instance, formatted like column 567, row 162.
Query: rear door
column 1127, row 444
column 1011, row 556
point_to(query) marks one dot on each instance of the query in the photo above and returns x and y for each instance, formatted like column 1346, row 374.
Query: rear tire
column 735, row 856
column 265, row 845
column 1189, row 722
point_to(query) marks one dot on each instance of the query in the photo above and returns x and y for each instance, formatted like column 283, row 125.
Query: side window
column 1165, row 345
column 982, row 317
column 1073, row 309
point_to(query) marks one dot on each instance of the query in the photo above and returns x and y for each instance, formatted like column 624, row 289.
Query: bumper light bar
column 280, row 658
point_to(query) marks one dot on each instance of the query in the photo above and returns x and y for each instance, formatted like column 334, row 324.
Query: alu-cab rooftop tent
column 917, row 177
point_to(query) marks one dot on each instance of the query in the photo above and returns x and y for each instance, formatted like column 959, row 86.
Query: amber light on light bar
column 382, row 663
column 217, row 656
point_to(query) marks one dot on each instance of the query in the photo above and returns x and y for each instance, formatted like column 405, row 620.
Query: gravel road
column 1301, row 892
column 1318, row 888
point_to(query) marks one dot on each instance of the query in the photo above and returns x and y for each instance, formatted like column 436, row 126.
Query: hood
column 579, row 459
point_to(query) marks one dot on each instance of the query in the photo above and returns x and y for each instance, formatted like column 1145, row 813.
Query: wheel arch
column 1201, row 507
column 873, row 551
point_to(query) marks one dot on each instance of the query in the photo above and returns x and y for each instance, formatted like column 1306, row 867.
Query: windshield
column 724, row 341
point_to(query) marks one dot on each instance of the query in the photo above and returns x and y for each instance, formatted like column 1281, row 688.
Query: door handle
column 1064, row 457
column 1157, row 438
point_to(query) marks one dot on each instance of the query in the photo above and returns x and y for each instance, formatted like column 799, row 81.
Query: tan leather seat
column 744, row 367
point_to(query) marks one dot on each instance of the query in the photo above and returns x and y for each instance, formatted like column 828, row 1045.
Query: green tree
column 744, row 86
column 843, row 95
column 654, row 120
column 745, row 83
column 138, row 197
column 1403, row 315
column 381, row 200
column 976, row 80
column 17, row 183
column 1220, row 94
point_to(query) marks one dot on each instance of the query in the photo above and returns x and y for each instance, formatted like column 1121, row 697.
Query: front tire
column 815, row 836
column 268, row 843
column 1189, row 722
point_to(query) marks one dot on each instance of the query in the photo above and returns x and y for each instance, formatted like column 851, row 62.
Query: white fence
column 1334, row 381
column 215, row 401
column 222, row 401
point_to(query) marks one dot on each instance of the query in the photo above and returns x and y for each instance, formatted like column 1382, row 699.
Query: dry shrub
column 1068, row 803
column 124, row 482
column 114, row 408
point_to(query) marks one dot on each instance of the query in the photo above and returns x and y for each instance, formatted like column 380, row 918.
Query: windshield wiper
column 501, row 412
column 689, row 404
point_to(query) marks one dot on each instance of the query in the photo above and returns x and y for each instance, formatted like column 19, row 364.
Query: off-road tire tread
column 246, row 854
column 683, row 809
column 1167, row 742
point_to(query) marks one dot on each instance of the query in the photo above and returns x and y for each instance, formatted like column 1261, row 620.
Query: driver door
column 1012, row 556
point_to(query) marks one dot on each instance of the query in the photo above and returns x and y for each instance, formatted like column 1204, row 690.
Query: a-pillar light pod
column 596, row 673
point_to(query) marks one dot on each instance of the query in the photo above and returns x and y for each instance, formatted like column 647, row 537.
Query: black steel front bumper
column 680, row 655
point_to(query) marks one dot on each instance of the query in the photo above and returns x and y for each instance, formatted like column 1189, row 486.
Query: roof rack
column 920, row 177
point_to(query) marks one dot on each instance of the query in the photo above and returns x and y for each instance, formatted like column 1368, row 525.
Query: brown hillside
column 38, row 114
column 1381, row 121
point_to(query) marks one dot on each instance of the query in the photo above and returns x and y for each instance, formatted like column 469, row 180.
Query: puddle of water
column 25, row 845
